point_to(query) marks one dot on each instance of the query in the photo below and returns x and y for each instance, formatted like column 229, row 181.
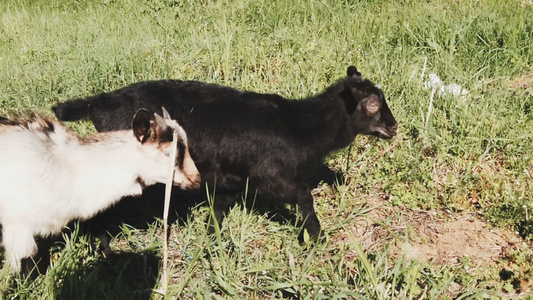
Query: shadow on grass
column 140, row 212
column 121, row 275
column 128, row 275
column 117, row 276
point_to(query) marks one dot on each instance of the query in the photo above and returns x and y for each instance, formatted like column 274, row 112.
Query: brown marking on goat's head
column 189, row 173
column 365, row 102
column 160, row 134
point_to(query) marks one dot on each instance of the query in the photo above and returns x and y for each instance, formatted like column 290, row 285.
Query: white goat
column 49, row 176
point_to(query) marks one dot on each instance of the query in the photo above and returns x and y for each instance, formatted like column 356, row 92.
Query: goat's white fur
column 51, row 177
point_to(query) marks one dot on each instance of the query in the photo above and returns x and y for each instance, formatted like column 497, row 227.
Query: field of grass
column 455, row 158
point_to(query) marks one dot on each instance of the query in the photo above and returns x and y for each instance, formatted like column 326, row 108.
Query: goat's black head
column 369, row 113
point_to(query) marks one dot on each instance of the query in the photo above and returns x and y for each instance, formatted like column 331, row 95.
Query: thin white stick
column 168, row 190
column 430, row 107
column 424, row 68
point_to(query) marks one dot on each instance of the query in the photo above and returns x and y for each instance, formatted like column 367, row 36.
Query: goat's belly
column 50, row 224
column 47, row 229
column 42, row 222
column 47, row 215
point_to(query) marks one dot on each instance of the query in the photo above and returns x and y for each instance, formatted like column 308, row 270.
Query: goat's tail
column 72, row 110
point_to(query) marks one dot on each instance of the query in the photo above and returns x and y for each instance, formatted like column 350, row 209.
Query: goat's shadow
column 128, row 275
column 118, row 275
column 123, row 275
column 140, row 212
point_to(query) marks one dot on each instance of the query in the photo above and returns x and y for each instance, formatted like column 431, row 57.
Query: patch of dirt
column 427, row 236
column 523, row 82
column 464, row 237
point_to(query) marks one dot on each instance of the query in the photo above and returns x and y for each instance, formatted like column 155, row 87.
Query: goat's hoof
column 304, row 237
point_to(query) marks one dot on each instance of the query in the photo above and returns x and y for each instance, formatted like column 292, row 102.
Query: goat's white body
column 49, row 178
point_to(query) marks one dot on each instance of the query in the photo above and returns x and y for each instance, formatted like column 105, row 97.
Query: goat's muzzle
column 187, row 177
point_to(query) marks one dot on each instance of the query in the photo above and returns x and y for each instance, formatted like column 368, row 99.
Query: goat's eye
column 167, row 153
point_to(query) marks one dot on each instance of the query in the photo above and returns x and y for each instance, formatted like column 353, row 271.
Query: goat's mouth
column 192, row 185
column 188, row 182
column 384, row 133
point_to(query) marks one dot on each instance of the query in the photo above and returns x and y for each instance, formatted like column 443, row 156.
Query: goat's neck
column 104, row 169
column 323, row 123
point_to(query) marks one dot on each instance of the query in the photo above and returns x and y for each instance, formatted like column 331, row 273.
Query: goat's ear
column 352, row 72
column 141, row 125
column 166, row 115
column 160, row 122
column 371, row 105
column 350, row 100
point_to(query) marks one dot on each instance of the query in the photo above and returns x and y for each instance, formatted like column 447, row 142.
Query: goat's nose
column 191, row 184
column 394, row 127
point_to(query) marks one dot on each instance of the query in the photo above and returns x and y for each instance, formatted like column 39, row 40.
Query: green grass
column 471, row 156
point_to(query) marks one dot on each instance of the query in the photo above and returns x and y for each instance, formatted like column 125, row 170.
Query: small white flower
column 434, row 82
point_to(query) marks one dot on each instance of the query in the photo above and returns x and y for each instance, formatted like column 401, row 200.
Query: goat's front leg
column 19, row 244
column 310, row 220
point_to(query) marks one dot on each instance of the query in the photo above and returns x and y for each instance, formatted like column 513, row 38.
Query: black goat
column 236, row 136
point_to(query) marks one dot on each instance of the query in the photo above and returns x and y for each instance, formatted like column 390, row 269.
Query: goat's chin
column 187, row 184
column 383, row 133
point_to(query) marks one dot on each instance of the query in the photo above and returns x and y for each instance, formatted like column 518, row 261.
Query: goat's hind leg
column 299, row 193
column 19, row 244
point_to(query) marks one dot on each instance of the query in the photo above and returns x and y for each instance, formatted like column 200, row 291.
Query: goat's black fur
column 234, row 136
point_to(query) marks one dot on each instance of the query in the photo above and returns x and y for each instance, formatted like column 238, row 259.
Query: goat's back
column 195, row 103
column 232, row 134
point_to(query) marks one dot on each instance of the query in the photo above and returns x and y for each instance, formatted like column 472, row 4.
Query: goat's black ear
column 141, row 125
column 352, row 72
column 350, row 100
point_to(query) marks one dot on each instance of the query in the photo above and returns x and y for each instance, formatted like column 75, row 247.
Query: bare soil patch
column 443, row 239
column 522, row 82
